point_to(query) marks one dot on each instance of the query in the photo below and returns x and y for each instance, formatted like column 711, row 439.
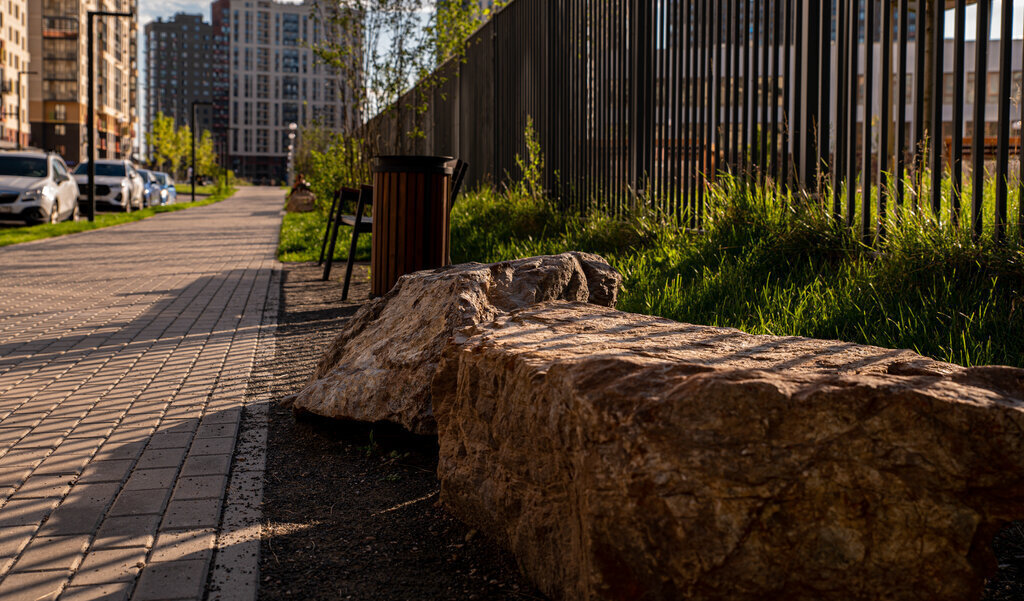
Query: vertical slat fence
column 650, row 101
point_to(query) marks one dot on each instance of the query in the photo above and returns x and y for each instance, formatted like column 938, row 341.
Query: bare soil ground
column 350, row 511
column 1008, row 583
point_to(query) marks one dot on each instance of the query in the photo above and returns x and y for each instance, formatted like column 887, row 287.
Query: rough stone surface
column 300, row 201
column 380, row 367
column 627, row 457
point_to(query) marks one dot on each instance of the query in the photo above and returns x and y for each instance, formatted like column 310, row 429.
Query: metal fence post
column 808, row 72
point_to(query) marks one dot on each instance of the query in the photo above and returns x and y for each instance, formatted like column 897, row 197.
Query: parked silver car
column 118, row 184
column 168, row 193
column 37, row 188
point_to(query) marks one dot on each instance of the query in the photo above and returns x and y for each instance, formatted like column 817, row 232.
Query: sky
column 971, row 26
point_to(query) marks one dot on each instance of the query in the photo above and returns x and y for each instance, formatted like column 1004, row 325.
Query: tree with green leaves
column 206, row 156
column 170, row 146
column 381, row 49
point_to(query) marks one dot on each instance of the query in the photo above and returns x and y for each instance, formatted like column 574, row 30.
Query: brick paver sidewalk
column 130, row 464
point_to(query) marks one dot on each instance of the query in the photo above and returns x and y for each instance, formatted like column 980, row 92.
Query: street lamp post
column 91, row 111
column 195, row 103
column 292, row 127
column 18, row 117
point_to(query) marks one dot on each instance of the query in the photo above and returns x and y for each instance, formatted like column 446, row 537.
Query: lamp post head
column 293, row 126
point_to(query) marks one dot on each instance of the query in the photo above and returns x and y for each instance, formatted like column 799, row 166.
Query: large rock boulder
column 300, row 200
column 380, row 367
column 620, row 456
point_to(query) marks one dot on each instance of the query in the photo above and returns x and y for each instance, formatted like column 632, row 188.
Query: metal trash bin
column 411, row 197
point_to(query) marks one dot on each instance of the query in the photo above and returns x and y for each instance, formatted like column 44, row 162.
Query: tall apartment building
column 14, row 59
column 179, row 53
column 273, row 81
column 58, row 90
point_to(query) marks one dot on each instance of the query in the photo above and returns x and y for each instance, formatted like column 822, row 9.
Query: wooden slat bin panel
column 410, row 225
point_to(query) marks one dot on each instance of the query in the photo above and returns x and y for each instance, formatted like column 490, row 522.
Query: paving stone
column 45, row 486
column 232, row 416
column 154, row 478
column 110, row 565
column 26, row 512
column 215, row 430
column 198, row 513
column 177, row 545
column 52, row 553
column 166, row 457
column 81, row 511
column 13, row 538
column 127, row 531
column 206, row 465
column 11, row 477
column 162, row 440
column 23, row 457
column 140, row 502
column 33, row 586
column 182, row 579
column 113, row 451
column 9, row 436
column 106, row 471
column 200, row 487
column 114, row 591
column 212, row 446
column 43, row 440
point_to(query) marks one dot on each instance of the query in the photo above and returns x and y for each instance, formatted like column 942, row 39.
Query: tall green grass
column 302, row 237
column 768, row 264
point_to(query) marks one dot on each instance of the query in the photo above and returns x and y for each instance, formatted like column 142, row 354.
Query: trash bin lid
column 413, row 164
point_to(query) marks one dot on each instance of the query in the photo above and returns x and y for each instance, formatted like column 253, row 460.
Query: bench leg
column 334, row 239
column 327, row 232
column 351, row 261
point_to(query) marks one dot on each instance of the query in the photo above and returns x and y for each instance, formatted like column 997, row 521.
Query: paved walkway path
column 131, row 459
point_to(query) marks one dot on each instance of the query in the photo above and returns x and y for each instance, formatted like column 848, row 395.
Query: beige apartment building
column 14, row 59
column 271, row 80
column 59, row 88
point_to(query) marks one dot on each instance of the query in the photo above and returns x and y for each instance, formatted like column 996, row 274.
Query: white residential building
column 15, row 60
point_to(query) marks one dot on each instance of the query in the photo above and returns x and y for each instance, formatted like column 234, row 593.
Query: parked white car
column 118, row 184
column 36, row 187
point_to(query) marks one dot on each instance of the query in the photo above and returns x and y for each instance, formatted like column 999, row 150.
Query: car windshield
column 146, row 175
column 162, row 178
column 102, row 169
column 22, row 166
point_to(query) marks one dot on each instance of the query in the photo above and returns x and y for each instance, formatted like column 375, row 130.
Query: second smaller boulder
column 381, row 366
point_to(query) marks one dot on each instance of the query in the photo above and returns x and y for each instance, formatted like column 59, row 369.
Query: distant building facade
column 179, row 53
column 273, row 80
column 59, row 88
column 15, row 59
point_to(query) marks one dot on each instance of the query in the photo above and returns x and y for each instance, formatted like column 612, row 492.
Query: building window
column 290, row 30
column 290, row 88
